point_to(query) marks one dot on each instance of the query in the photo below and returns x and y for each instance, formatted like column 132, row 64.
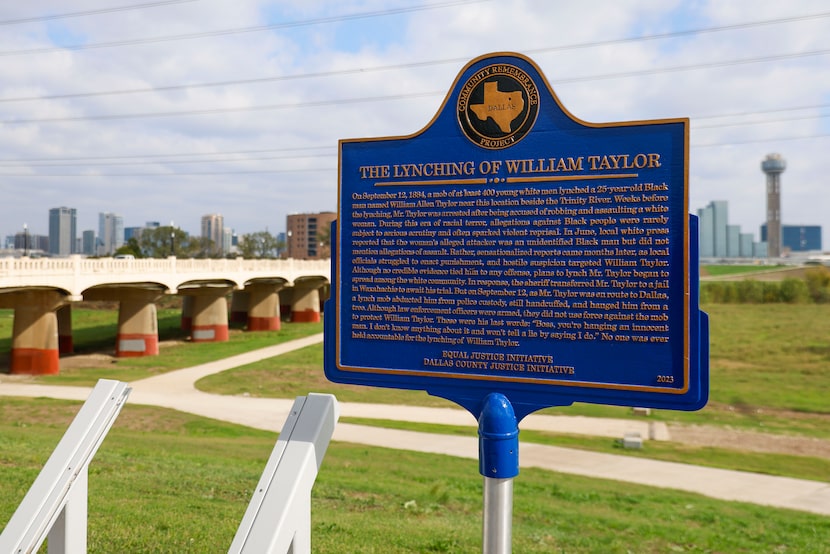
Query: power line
column 758, row 112
column 320, row 103
column 178, row 174
column 211, row 111
column 753, row 141
column 787, row 120
column 315, row 151
column 169, row 155
column 411, row 65
column 679, row 68
column 254, row 29
column 316, row 169
column 92, row 12
column 299, row 76
column 5, row 163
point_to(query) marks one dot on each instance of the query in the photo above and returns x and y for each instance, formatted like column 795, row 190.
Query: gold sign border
column 567, row 383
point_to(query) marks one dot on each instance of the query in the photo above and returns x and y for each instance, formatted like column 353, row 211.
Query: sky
column 168, row 110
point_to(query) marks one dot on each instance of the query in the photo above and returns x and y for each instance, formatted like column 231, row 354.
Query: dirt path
column 698, row 435
column 750, row 441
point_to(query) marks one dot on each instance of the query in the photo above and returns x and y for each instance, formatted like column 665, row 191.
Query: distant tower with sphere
column 773, row 166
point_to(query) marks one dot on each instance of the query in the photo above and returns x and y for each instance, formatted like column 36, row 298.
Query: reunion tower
column 773, row 166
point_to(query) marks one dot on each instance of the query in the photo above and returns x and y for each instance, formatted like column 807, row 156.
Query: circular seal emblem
column 497, row 106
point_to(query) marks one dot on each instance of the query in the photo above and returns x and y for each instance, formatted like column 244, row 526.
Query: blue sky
column 256, row 151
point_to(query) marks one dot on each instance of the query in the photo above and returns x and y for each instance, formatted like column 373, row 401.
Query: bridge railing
column 75, row 274
column 56, row 505
column 28, row 266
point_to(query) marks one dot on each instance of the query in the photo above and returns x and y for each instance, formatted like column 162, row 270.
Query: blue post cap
column 498, row 438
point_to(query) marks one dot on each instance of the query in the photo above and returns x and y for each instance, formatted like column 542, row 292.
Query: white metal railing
column 278, row 518
column 56, row 504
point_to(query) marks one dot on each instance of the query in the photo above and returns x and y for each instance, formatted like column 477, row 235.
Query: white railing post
column 68, row 533
column 56, row 504
column 278, row 518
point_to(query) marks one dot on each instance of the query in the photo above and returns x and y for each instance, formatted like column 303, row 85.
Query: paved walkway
column 176, row 390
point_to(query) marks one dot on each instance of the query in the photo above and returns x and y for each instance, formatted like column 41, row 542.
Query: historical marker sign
column 511, row 247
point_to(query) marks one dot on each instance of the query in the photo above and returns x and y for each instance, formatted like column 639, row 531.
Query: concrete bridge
column 41, row 292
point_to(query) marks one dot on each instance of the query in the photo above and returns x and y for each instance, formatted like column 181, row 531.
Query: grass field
column 171, row 482
column 167, row 482
column 770, row 366
column 718, row 270
column 770, row 370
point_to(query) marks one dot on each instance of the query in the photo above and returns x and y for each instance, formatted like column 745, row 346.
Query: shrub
column 793, row 291
column 772, row 292
column 750, row 291
column 817, row 280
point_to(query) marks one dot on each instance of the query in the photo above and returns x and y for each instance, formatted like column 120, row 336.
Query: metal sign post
column 498, row 441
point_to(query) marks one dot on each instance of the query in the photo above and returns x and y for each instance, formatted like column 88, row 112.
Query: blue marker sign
column 509, row 247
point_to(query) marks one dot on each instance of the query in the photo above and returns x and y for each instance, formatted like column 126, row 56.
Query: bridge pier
column 286, row 296
column 305, row 304
column 240, row 299
column 138, row 333
column 210, row 313
column 35, row 332
column 65, row 343
column 264, row 306
column 187, row 313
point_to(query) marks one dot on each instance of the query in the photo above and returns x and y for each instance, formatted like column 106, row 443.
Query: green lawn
column 167, row 482
column 718, row 270
column 171, row 482
column 770, row 367
column 770, row 371
column 95, row 331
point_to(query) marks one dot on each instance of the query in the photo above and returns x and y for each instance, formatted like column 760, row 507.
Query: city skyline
column 112, row 233
column 718, row 238
column 129, row 112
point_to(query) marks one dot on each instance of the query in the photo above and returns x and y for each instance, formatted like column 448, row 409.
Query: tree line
column 164, row 241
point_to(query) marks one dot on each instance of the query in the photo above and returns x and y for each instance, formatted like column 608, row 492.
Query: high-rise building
column 718, row 239
column 733, row 241
column 30, row 243
column 282, row 245
column 308, row 235
column 88, row 242
column 720, row 211
column 132, row 233
column 227, row 241
column 797, row 238
column 110, row 233
column 714, row 232
column 773, row 166
column 706, row 226
column 746, row 247
column 212, row 229
column 62, row 234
